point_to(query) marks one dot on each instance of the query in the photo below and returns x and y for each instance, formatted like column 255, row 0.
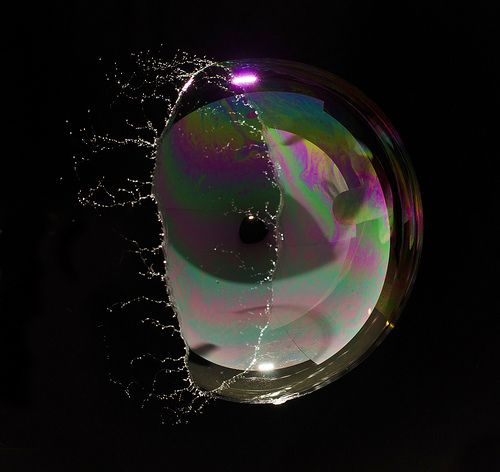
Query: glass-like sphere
column 293, row 227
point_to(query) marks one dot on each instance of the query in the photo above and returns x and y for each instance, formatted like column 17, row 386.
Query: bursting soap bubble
column 293, row 227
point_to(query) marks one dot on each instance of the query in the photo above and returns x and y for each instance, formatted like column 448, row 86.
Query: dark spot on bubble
column 293, row 139
column 252, row 230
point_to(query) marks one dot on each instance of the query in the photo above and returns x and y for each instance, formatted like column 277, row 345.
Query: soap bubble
column 293, row 227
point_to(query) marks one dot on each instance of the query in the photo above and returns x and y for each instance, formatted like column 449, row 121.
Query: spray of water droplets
column 120, row 145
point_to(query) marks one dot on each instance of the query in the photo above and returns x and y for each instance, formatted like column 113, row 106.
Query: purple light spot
column 244, row 79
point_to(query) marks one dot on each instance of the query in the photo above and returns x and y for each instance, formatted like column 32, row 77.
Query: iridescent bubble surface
column 292, row 227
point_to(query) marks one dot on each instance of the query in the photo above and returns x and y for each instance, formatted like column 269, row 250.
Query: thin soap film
column 292, row 228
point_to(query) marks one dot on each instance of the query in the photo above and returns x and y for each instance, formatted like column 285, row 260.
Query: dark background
column 426, row 399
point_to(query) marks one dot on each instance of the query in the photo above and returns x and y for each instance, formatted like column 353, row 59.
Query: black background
column 427, row 399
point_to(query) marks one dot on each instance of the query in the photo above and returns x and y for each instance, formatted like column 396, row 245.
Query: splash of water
column 144, row 104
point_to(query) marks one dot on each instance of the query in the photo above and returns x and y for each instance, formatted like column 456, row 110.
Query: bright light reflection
column 244, row 79
column 266, row 366
column 187, row 84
